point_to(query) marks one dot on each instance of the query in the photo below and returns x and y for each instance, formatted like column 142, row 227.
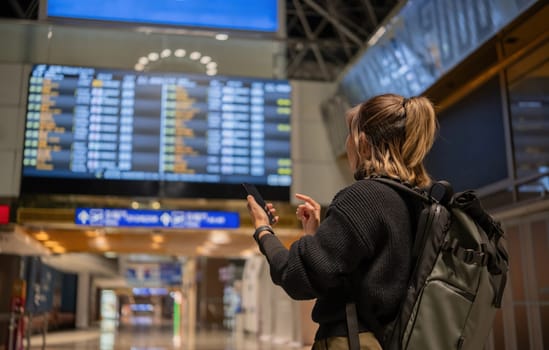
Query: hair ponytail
column 421, row 128
column 399, row 132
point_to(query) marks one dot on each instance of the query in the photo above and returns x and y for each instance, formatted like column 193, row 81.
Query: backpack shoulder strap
column 401, row 187
column 424, row 216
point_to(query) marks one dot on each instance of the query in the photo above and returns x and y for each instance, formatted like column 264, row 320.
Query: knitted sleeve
column 317, row 263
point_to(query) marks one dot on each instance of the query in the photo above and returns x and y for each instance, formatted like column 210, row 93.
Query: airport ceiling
column 323, row 36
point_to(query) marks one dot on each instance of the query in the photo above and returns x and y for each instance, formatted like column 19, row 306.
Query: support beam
column 32, row 8
column 311, row 36
column 333, row 20
column 371, row 13
column 348, row 52
column 344, row 20
column 322, row 43
column 17, row 8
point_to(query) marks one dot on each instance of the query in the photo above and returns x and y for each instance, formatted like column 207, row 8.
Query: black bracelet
column 261, row 229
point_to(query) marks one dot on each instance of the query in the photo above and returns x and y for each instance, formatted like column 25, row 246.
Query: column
column 83, row 300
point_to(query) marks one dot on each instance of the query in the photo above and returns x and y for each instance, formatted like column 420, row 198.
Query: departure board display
column 157, row 128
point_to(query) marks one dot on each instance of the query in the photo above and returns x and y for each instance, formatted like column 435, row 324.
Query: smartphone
column 252, row 190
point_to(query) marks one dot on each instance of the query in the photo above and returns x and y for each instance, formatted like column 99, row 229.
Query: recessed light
column 222, row 36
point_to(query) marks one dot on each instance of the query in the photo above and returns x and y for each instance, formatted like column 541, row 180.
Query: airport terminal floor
column 105, row 337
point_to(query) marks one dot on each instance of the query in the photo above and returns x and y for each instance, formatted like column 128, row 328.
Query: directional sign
column 156, row 218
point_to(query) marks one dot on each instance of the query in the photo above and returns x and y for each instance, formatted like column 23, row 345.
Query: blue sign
column 171, row 274
column 156, row 218
column 249, row 15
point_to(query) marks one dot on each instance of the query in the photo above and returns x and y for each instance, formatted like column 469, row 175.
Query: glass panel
column 529, row 106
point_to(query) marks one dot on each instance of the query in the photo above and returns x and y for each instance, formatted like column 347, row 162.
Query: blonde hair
column 399, row 133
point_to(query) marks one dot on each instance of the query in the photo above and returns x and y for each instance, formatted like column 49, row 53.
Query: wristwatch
column 261, row 229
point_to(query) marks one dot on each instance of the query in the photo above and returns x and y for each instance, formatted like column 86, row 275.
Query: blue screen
column 250, row 15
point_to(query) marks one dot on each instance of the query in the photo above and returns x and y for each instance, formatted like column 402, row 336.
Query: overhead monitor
column 106, row 131
column 422, row 42
column 470, row 151
column 242, row 15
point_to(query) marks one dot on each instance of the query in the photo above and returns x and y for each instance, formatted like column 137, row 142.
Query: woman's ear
column 364, row 148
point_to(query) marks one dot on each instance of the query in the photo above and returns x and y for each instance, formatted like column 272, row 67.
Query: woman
column 361, row 250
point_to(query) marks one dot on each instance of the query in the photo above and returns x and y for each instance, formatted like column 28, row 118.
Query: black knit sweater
column 367, row 234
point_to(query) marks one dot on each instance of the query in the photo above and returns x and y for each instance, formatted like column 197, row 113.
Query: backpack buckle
column 474, row 257
column 468, row 256
column 484, row 259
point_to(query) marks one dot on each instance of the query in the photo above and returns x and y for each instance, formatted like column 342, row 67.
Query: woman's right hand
column 308, row 213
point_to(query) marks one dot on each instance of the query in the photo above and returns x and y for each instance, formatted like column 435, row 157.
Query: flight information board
column 88, row 123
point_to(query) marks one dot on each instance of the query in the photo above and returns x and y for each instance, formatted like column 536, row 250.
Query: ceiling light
column 222, row 36
column 157, row 238
column 42, row 236
column 219, row 237
column 155, row 205
column 179, row 53
column 143, row 60
column 101, row 243
column 205, row 59
column 165, row 53
column 51, row 244
column 247, row 253
column 139, row 67
column 211, row 72
column 202, row 251
column 110, row 255
column 211, row 65
column 135, row 205
column 195, row 55
column 377, row 35
column 153, row 56
column 58, row 249
column 92, row 234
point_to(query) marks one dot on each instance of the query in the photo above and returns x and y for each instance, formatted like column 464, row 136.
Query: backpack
column 459, row 273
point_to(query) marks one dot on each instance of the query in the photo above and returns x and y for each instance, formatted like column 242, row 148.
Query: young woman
column 361, row 250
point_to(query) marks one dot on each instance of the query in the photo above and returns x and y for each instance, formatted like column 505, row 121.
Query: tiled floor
column 151, row 338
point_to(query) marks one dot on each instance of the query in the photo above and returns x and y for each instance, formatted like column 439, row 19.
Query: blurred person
column 361, row 251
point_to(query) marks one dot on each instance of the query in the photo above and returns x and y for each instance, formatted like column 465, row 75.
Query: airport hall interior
column 133, row 132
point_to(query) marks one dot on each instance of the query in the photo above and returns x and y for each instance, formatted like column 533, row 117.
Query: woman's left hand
column 259, row 217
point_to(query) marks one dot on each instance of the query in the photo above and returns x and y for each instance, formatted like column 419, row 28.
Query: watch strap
column 261, row 229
